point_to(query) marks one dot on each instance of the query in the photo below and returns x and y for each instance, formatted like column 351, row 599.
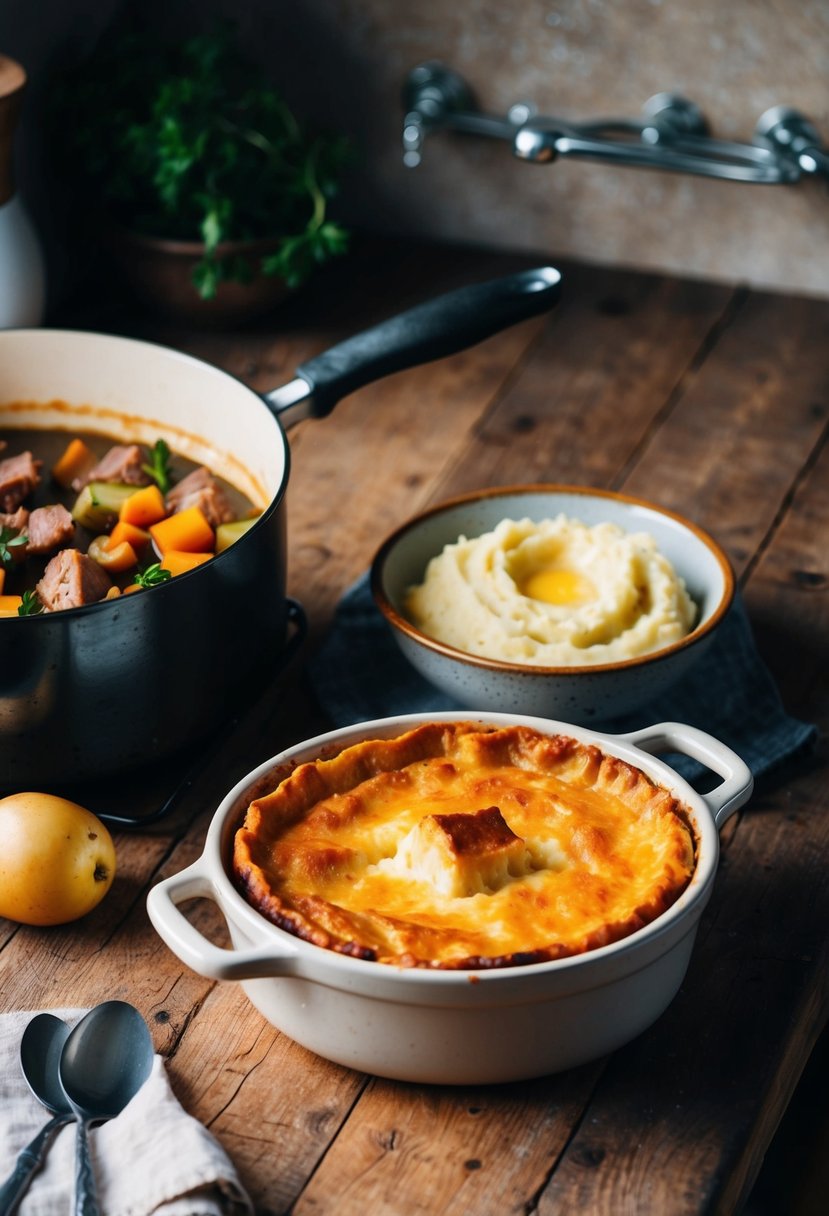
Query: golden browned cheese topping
column 456, row 845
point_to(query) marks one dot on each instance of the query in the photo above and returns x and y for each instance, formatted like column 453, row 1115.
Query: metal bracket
column 790, row 134
column 671, row 133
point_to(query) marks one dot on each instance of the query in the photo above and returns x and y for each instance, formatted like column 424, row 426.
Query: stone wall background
column 583, row 59
column 343, row 62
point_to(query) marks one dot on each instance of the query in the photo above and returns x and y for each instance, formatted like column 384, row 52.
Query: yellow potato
column 57, row 860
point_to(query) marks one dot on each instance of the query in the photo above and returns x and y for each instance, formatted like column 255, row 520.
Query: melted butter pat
column 565, row 588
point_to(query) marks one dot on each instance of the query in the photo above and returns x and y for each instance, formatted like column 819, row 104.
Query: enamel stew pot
column 108, row 686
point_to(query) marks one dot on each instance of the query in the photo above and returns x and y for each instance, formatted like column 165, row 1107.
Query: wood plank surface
column 460, row 1151
column 761, row 956
column 605, row 371
column 707, row 399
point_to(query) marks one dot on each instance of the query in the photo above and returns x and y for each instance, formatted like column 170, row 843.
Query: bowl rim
column 630, row 953
column 398, row 622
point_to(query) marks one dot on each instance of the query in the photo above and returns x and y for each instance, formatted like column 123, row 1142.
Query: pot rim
column 530, row 981
column 397, row 621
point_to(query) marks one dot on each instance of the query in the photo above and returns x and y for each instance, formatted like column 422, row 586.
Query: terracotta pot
column 159, row 272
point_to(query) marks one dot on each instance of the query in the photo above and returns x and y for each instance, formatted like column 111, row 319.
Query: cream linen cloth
column 153, row 1159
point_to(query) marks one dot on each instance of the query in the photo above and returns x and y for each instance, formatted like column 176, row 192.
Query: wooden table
column 708, row 399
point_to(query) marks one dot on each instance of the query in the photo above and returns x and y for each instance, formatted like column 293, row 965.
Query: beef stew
column 83, row 519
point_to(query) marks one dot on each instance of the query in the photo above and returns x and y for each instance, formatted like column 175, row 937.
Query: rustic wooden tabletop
column 707, row 399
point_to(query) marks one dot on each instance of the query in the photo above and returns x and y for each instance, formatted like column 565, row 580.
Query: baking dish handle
column 197, row 951
column 737, row 783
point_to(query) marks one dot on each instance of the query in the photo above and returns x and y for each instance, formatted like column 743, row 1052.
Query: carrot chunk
column 2, row 578
column 187, row 531
column 137, row 537
column 76, row 460
column 9, row 604
column 143, row 508
column 178, row 562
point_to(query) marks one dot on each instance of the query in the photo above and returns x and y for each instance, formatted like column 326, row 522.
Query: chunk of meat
column 16, row 521
column 18, row 477
column 49, row 528
column 70, row 580
column 201, row 489
column 122, row 463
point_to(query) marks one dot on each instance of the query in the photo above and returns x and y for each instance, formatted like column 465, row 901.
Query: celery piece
column 98, row 504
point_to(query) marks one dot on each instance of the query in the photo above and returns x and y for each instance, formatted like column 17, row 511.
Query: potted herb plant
column 217, row 199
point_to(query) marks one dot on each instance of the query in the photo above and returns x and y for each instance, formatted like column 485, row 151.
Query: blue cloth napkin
column 360, row 674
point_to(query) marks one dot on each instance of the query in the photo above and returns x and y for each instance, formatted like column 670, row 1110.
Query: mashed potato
column 553, row 593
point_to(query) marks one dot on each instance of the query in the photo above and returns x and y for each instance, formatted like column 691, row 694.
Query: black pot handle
column 429, row 331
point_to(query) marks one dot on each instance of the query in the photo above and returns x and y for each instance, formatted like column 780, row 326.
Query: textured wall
column 343, row 62
column 578, row 59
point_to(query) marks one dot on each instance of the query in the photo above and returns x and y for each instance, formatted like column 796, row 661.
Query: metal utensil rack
column 671, row 134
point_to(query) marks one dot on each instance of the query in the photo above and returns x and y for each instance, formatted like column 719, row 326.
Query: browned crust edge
column 307, row 783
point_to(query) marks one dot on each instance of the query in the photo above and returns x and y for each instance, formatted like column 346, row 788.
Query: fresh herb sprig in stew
column 10, row 539
column 31, row 605
column 152, row 576
column 159, row 466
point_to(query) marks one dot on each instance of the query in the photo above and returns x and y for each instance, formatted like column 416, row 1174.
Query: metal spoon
column 104, row 1062
column 40, row 1049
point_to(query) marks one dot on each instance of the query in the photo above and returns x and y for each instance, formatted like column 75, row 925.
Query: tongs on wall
column 671, row 133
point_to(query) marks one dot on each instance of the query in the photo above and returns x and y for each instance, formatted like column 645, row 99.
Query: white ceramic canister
column 22, row 276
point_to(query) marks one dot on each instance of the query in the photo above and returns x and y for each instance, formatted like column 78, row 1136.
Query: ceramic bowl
column 582, row 695
column 456, row 1027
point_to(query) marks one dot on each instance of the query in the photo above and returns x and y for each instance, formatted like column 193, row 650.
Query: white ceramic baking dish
column 457, row 1027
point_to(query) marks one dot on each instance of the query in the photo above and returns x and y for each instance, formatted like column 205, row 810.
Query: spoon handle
column 86, row 1200
column 29, row 1161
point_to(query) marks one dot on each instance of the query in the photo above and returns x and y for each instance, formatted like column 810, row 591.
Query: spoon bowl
column 103, row 1064
column 40, row 1050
